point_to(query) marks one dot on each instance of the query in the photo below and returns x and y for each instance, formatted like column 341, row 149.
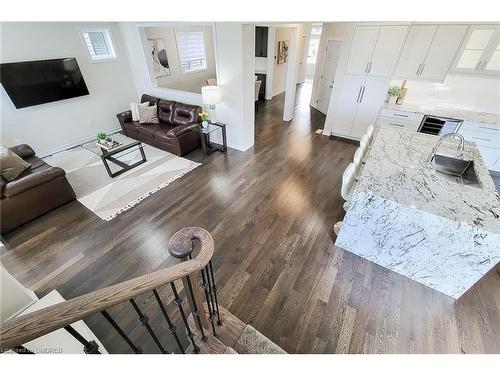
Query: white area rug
column 108, row 197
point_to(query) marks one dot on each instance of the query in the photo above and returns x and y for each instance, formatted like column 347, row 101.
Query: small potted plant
column 204, row 119
column 394, row 93
column 101, row 137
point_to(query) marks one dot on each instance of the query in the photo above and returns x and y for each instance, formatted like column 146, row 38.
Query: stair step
column 211, row 346
column 231, row 329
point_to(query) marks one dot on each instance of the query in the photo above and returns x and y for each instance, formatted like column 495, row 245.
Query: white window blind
column 191, row 48
column 99, row 43
column 96, row 43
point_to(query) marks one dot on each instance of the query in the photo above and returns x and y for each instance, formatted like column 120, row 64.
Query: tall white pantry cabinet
column 373, row 56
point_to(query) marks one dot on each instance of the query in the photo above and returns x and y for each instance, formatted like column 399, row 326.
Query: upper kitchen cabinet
column 480, row 53
column 375, row 50
column 429, row 51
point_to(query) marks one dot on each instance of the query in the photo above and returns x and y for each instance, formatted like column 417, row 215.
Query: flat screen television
column 30, row 83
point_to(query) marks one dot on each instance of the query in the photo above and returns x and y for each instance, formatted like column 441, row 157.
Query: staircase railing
column 20, row 330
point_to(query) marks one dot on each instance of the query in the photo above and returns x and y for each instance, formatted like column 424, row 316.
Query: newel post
column 181, row 246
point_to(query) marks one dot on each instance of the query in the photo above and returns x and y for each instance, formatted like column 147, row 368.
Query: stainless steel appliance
column 438, row 125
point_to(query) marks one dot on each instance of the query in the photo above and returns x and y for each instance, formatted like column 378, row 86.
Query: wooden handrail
column 17, row 331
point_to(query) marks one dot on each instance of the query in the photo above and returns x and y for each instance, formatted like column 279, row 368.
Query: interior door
column 385, row 56
column 347, row 105
column 362, row 47
column 415, row 50
column 443, row 50
column 372, row 97
column 328, row 75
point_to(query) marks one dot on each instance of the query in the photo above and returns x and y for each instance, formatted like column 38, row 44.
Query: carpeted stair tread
column 252, row 341
column 230, row 350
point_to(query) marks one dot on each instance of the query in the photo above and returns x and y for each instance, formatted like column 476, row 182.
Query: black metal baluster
column 178, row 302
column 117, row 328
column 195, row 311
column 171, row 327
column 89, row 347
column 208, row 297
column 144, row 321
column 214, row 291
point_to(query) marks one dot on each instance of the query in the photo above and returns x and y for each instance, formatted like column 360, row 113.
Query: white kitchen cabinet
column 363, row 43
column 415, row 50
column 429, row 51
column 375, row 50
column 487, row 139
column 386, row 53
column 358, row 104
column 480, row 53
column 372, row 97
column 400, row 119
column 442, row 51
column 347, row 104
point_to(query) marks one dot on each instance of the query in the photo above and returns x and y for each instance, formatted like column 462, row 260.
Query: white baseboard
column 67, row 146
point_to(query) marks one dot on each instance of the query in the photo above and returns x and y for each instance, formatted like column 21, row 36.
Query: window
column 191, row 49
column 99, row 43
column 312, row 52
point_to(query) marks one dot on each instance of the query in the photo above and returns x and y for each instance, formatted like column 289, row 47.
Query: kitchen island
column 405, row 216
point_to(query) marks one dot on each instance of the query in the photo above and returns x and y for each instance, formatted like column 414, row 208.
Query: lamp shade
column 210, row 95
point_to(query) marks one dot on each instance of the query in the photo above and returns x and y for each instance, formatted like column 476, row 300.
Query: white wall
column 235, row 74
column 191, row 82
column 280, row 70
column 54, row 126
column 480, row 94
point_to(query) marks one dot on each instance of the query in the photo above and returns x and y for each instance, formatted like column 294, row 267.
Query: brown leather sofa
column 36, row 191
column 174, row 132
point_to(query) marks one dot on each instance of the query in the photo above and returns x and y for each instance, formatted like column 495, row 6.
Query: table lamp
column 211, row 96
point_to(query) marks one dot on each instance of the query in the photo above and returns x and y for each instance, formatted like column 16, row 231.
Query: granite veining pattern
column 406, row 217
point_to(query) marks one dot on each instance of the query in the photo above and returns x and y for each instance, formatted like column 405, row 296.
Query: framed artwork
column 282, row 51
column 158, row 54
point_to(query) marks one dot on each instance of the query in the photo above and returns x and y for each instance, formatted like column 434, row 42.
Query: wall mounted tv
column 30, row 83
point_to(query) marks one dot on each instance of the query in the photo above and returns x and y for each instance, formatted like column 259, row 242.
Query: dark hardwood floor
column 271, row 211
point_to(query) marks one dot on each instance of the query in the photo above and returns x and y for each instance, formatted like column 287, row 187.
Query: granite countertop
column 439, row 111
column 406, row 217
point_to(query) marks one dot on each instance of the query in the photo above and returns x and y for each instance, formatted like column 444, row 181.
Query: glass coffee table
column 127, row 146
column 207, row 145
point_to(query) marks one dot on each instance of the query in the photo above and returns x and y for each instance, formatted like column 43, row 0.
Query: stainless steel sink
column 458, row 170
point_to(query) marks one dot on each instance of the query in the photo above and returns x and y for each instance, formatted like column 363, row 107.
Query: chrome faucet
column 449, row 135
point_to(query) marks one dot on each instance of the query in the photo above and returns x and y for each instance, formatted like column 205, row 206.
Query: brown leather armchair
column 174, row 131
column 36, row 191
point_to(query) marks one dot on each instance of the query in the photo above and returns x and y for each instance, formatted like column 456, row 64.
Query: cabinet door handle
column 482, row 139
column 400, row 115
column 362, row 94
column 359, row 94
column 401, row 126
column 418, row 70
column 486, row 127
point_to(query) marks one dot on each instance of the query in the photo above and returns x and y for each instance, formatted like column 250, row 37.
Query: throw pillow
column 135, row 111
column 148, row 114
column 11, row 164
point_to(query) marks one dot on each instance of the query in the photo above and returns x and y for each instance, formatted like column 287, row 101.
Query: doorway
column 330, row 62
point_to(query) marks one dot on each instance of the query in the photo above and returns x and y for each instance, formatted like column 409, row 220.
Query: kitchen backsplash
column 461, row 92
